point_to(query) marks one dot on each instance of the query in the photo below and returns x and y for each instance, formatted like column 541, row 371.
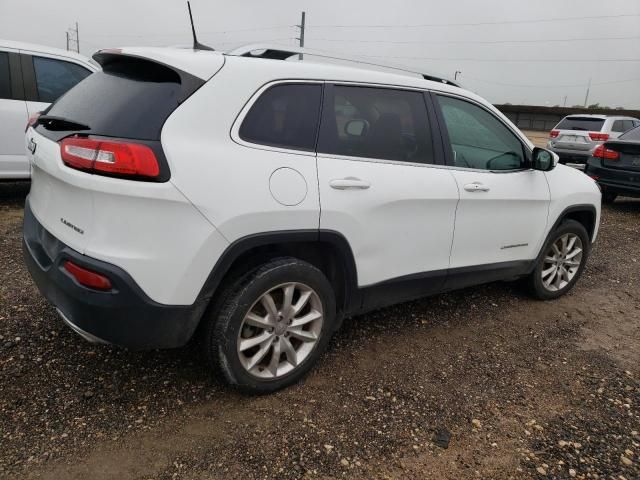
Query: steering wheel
column 510, row 153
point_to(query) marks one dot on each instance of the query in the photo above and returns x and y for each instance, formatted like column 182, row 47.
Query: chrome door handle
column 476, row 187
column 349, row 183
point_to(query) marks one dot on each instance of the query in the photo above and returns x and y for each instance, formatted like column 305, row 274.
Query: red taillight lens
column 606, row 154
column 33, row 119
column 115, row 158
column 598, row 137
column 554, row 133
column 87, row 277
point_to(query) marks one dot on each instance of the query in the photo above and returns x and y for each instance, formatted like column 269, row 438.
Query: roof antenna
column 196, row 44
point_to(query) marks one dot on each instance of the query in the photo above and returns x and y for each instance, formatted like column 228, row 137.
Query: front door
column 502, row 214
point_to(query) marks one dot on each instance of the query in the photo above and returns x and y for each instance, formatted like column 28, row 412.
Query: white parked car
column 256, row 202
column 31, row 77
column 576, row 136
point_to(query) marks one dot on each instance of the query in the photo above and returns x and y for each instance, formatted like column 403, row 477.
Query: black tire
column 609, row 197
column 535, row 282
column 224, row 322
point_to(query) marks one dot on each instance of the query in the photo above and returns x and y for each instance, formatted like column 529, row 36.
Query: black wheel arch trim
column 583, row 207
column 245, row 244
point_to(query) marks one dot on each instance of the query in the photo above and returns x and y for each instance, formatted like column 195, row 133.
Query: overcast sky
column 503, row 50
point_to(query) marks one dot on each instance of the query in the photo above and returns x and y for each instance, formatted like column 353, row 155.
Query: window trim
column 436, row 140
column 237, row 123
column 446, row 141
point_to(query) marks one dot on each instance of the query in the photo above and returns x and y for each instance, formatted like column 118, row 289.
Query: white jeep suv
column 255, row 202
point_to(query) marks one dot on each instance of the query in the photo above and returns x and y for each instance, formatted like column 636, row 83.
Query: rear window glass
column 581, row 123
column 631, row 134
column 130, row 98
column 285, row 116
column 5, row 79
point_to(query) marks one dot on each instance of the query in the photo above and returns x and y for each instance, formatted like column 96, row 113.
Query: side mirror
column 356, row 128
column 543, row 160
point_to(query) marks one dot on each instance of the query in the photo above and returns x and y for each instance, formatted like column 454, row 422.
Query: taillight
column 606, row 154
column 33, row 119
column 87, row 277
column 108, row 157
column 554, row 133
column 598, row 137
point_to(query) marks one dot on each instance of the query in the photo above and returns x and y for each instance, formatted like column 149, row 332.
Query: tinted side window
column 631, row 134
column 5, row 78
column 618, row 126
column 380, row 123
column 55, row 77
column 478, row 139
column 285, row 116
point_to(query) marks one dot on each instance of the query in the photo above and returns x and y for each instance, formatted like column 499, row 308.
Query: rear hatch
column 578, row 133
column 126, row 103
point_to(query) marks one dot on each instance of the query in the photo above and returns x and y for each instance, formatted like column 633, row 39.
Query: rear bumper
column 572, row 156
column 124, row 316
column 623, row 182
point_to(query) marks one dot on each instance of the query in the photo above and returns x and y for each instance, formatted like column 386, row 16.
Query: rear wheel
column 271, row 326
column 562, row 261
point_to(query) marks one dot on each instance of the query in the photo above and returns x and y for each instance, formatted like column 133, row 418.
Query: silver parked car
column 576, row 136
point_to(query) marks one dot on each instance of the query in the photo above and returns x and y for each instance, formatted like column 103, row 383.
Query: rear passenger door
column 502, row 214
column 379, row 185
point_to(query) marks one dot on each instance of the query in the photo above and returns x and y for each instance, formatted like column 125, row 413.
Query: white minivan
column 31, row 78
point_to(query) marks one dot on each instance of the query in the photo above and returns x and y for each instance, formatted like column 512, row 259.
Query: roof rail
column 280, row 52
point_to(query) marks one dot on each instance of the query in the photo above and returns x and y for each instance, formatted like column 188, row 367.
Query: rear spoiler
column 116, row 61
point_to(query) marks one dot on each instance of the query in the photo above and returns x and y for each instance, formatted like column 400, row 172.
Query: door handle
column 476, row 187
column 349, row 183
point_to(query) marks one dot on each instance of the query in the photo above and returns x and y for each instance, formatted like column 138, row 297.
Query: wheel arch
column 585, row 214
column 327, row 250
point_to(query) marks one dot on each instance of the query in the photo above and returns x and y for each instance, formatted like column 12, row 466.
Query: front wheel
column 562, row 261
column 272, row 326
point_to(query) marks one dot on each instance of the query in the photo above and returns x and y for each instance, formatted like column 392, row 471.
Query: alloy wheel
column 562, row 262
column 280, row 330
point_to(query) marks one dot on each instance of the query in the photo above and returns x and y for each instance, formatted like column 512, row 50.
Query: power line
column 487, row 42
column 575, row 85
column 473, row 24
column 506, row 60
column 206, row 32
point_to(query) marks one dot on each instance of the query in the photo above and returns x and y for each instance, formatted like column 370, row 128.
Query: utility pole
column 564, row 103
column 301, row 37
column 73, row 36
column 586, row 97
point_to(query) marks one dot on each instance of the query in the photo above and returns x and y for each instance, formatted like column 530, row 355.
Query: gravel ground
column 481, row 383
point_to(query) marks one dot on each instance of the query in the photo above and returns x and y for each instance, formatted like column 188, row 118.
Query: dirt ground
column 517, row 388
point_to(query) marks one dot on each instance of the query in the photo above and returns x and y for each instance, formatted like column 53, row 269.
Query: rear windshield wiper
column 51, row 122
